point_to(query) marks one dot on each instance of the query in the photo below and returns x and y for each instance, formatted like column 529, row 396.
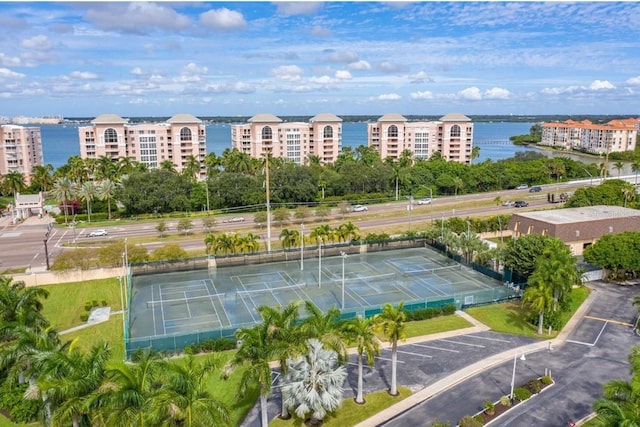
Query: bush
column 534, row 386
column 546, row 380
column 84, row 316
column 87, row 306
column 469, row 421
column 94, row 303
column 104, row 302
column 448, row 309
column 21, row 410
column 521, row 394
column 438, row 423
column 489, row 407
column 505, row 401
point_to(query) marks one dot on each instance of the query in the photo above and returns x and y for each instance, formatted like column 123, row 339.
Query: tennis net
column 437, row 270
column 259, row 292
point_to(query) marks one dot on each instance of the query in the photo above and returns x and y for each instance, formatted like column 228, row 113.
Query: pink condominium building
column 452, row 136
column 20, row 150
column 616, row 135
column 180, row 137
column 296, row 141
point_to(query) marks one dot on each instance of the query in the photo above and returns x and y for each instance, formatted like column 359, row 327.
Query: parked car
column 234, row 219
column 522, row 187
column 425, row 201
column 98, row 233
column 520, row 204
column 535, row 189
column 508, row 203
column 359, row 208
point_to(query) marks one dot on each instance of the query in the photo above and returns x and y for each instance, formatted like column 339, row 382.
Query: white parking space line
column 436, row 348
column 463, row 343
column 488, row 339
column 415, row 354
column 384, row 358
column 595, row 342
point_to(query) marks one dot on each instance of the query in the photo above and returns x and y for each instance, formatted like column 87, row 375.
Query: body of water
column 59, row 142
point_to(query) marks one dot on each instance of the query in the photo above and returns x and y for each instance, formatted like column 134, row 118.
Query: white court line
column 187, row 303
column 435, row 348
column 489, row 339
column 190, row 324
column 181, row 319
column 153, row 314
column 595, row 342
column 164, row 326
column 463, row 343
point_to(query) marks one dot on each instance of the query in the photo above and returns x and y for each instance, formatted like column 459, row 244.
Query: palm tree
column 88, row 191
column 362, row 332
column 475, row 153
column 105, row 168
column 105, row 191
column 458, row 183
column 556, row 268
column 289, row 238
column 210, row 242
column 21, row 305
column 313, row 383
column 539, row 296
column 285, row 333
column 78, row 171
column 63, row 190
column 618, row 166
column 167, row 165
column 391, row 321
column 348, row 231
column 325, row 327
column 191, row 167
column 42, row 176
column 635, row 167
column 256, row 351
column 185, row 398
column 68, row 379
column 14, row 183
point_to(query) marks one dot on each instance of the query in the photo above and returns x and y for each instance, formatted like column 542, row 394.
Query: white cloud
column 318, row 31
column 389, row 97
column 389, row 67
column 84, row 75
column 470, row 93
column 323, row 80
column 340, row 57
column 135, row 17
column 561, row 90
column 496, row 93
column 343, row 75
column 298, row 7
column 193, row 69
column 136, row 71
column 288, row 73
column 422, row 95
column 601, row 84
column 359, row 65
column 223, row 19
column 7, row 73
column 9, row 61
column 633, row 81
column 36, row 43
column 420, row 77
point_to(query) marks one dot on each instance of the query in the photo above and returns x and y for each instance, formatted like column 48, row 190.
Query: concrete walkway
column 99, row 315
column 476, row 368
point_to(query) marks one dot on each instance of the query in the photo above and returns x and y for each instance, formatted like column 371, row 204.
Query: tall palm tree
column 635, row 167
column 539, row 296
column 458, row 183
column 167, row 165
column 362, row 332
column 78, row 171
column 348, row 231
column 325, row 327
column 63, row 191
column 619, row 165
column 191, row 167
column 21, row 305
column 289, row 238
column 556, row 268
column 255, row 353
column 87, row 191
column 14, row 182
column 105, row 168
column 68, row 379
column 391, row 321
column 105, row 191
column 282, row 325
column 185, row 398
column 313, row 383
column 42, row 177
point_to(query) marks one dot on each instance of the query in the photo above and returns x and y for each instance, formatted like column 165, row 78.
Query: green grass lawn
column 109, row 331
column 66, row 300
column 350, row 413
column 435, row 325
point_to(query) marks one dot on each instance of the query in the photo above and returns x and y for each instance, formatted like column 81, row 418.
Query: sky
column 83, row 59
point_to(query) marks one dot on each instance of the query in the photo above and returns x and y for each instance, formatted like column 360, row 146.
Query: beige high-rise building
column 180, row 137
column 20, row 150
column 616, row 135
column 296, row 141
column 452, row 136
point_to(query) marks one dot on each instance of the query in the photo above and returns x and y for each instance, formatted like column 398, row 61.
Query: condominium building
column 296, row 141
column 616, row 135
column 175, row 140
column 451, row 136
column 20, row 150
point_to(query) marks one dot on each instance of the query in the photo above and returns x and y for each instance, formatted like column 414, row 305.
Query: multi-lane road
column 23, row 245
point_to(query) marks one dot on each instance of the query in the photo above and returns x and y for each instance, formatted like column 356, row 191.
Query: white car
column 508, row 203
column 235, row 219
column 359, row 208
column 522, row 187
column 98, row 233
column 425, row 201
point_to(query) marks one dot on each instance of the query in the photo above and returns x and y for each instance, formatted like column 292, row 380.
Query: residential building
column 20, row 150
column 175, row 140
column 576, row 227
column 295, row 141
column 451, row 136
column 27, row 205
column 616, row 135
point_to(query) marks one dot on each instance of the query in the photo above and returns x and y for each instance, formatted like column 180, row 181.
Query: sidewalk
column 476, row 368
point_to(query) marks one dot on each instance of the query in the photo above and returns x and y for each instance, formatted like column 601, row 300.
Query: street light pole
column 301, row 247
column 344, row 256
column 46, row 251
column 319, row 262
column 513, row 375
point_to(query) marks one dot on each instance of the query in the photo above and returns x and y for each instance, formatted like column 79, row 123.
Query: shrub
column 534, row 386
column 505, row 401
column 94, row 303
column 469, row 421
column 546, row 380
column 189, row 350
column 438, row 423
column 84, row 316
column 87, row 306
column 521, row 394
column 104, row 302
column 21, row 410
column 223, row 344
column 489, row 407
column 448, row 309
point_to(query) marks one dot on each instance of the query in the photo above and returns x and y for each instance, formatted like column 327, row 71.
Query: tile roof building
column 616, row 135
column 296, row 141
column 451, row 136
column 576, row 227
column 180, row 137
column 20, row 150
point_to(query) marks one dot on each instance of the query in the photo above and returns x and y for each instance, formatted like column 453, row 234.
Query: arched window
column 185, row 134
column 392, row 132
column 328, row 132
column 267, row 133
column 455, row 131
column 110, row 135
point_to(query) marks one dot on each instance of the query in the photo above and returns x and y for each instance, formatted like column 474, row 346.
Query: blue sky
column 303, row 58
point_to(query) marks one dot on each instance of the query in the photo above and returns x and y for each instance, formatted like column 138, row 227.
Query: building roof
column 264, row 118
column 455, row 117
column 325, row 117
column 184, row 118
column 28, row 199
column 110, row 119
column 584, row 214
column 392, row 117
